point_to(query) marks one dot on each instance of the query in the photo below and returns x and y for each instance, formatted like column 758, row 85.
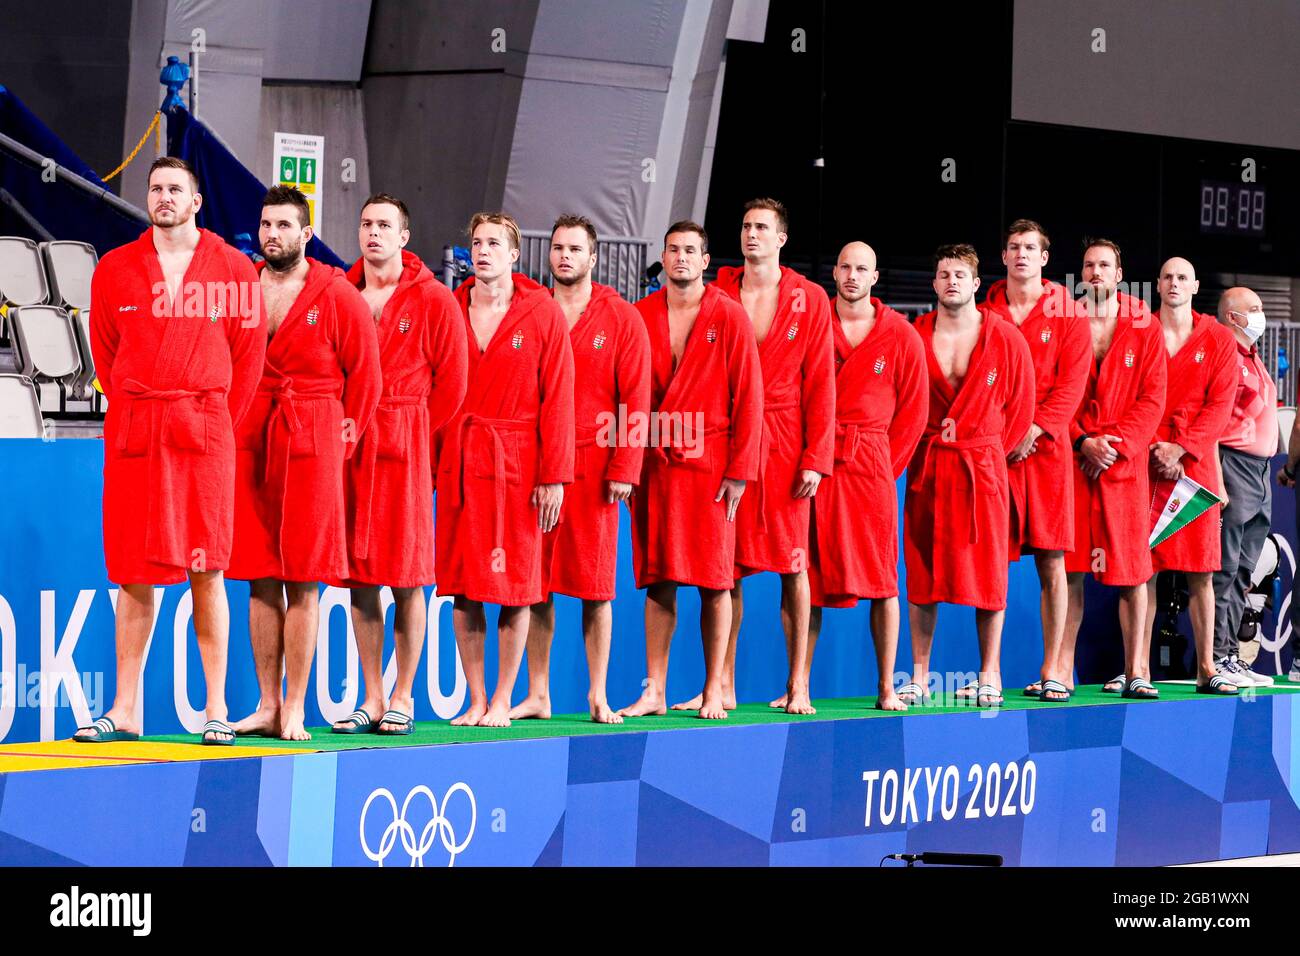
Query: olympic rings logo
column 400, row 828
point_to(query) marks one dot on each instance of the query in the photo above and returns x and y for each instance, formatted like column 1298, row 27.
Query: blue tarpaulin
column 63, row 210
column 232, row 196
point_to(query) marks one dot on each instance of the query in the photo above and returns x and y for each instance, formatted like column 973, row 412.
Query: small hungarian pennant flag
column 1175, row 505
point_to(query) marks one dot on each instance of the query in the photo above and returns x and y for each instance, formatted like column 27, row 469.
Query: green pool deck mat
column 435, row 732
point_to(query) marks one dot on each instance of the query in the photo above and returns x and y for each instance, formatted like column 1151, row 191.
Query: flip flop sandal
column 105, row 732
column 989, row 693
column 1115, row 685
column 969, row 692
column 1141, row 689
column 357, row 722
column 402, row 721
column 1055, row 687
column 913, row 694
column 1034, row 690
column 214, row 727
column 1218, row 685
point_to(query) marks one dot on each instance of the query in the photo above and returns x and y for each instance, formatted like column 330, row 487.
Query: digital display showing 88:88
column 1232, row 208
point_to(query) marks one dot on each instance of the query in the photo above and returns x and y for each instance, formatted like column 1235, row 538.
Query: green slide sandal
column 357, row 722
column 104, row 731
column 403, row 722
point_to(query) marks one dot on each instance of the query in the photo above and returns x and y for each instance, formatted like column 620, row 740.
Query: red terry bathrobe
column 1124, row 397
column 958, row 507
column 1042, row 486
column 317, row 396
column 798, row 360
column 514, row 432
column 178, row 377
column 880, row 411
column 709, row 418
column 611, row 384
column 389, row 481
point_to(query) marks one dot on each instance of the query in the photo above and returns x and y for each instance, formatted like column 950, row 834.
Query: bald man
column 1246, row 452
column 1201, row 386
column 880, row 409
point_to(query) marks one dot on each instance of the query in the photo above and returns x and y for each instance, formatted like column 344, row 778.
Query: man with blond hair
column 505, row 459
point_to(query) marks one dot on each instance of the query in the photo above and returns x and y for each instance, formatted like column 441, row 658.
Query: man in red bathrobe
column 1200, row 393
column 880, row 410
column 177, row 338
column 958, row 503
column 1111, row 435
column 317, row 396
column 1041, row 468
column 792, row 325
column 611, row 358
column 505, row 459
column 389, row 481
column 705, row 432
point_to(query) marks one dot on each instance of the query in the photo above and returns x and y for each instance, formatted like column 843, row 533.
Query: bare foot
column 780, row 702
column 651, row 702
column 372, row 706
column 498, row 715
column 291, row 726
column 601, row 713
column 799, row 702
column 121, row 720
column 263, row 722
column 712, row 709
column 531, row 706
column 403, row 705
column 728, row 701
column 471, row 717
column 889, row 700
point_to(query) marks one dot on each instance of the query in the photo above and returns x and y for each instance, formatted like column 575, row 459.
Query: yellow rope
column 143, row 139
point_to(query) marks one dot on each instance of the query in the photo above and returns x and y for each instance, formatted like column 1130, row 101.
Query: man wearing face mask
column 1246, row 451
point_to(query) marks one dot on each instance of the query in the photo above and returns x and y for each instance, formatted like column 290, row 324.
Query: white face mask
column 1255, row 324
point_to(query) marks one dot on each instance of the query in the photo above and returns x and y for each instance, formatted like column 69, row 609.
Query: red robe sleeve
column 555, row 421
column 1200, row 436
column 745, row 379
column 911, row 408
column 104, row 334
column 818, row 398
column 1139, row 423
column 446, row 347
column 1055, row 413
column 357, row 345
column 1019, row 413
column 246, row 334
column 632, row 378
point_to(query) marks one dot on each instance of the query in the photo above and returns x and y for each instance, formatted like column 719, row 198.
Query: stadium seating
column 22, row 277
column 68, row 267
column 47, row 350
column 46, row 288
column 20, row 408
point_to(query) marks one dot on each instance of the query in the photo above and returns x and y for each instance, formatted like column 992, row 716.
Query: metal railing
column 621, row 262
column 1280, row 349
